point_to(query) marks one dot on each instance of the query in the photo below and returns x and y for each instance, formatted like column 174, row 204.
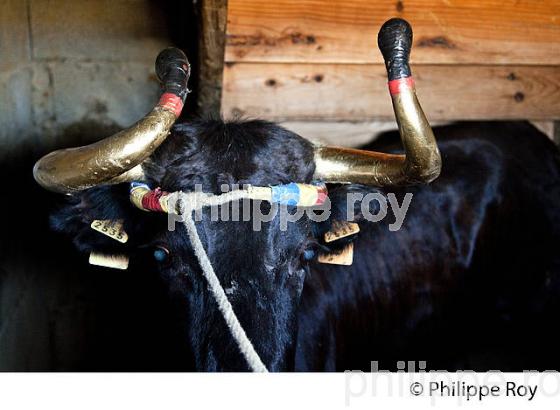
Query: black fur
column 474, row 266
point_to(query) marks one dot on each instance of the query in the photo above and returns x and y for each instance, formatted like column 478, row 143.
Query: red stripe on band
column 396, row 86
column 321, row 198
column 150, row 200
column 172, row 103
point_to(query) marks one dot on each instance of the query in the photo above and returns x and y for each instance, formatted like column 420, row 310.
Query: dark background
column 73, row 73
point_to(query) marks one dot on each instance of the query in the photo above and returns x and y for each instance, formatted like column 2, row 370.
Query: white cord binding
column 187, row 204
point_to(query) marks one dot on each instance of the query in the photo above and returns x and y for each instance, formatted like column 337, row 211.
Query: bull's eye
column 161, row 254
column 308, row 254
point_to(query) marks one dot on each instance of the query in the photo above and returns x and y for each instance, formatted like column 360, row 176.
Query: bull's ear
column 75, row 217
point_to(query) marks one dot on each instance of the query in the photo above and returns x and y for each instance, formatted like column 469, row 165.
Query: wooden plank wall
column 318, row 59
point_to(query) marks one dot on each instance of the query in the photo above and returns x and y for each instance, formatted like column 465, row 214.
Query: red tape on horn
column 171, row 102
column 402, row 84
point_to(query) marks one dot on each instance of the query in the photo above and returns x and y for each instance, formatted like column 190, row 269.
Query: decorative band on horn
column 292, row 194
column 171, row 102
column 146, row 199
column 299, row 194
column 401, row 85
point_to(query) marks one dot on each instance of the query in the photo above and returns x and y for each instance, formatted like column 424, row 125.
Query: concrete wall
column 70, row 72
column 64, row 63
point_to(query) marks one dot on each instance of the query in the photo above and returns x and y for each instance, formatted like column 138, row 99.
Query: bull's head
column 263, row 271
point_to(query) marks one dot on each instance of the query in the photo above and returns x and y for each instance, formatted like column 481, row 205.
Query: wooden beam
column 349, row 134
column 212, row 22
column 357, row 92
column 445, row 31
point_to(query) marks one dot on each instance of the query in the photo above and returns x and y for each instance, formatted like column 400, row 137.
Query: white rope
column 196, row 200
column 187, row 204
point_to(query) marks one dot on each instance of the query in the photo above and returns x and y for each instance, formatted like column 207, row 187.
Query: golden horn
column 119, row 158
column 422, row 161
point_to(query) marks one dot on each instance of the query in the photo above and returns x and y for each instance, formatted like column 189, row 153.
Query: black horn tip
column 395, row 41
column 173, row 70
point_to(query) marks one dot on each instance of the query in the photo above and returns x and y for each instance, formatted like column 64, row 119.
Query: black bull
column 473, row 271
